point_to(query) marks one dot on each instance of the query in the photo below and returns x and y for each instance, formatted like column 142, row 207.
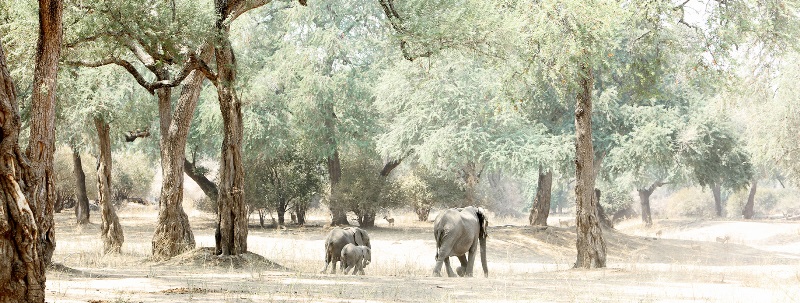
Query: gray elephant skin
column 355, row 258
column 337, row 239
column 458, row 232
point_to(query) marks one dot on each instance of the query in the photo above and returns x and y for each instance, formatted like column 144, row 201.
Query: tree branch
column 113, row 60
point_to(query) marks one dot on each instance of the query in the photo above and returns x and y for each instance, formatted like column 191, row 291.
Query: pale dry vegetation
column 682, row 263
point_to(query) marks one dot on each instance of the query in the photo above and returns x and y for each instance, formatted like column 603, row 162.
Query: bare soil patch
column 683, row 262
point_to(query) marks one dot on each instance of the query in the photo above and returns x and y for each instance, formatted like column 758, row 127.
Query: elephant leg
column 325, row 269
column 471, row 259
column 450, row 272
column 461, row 270
column 333, row 271
column 437, row 270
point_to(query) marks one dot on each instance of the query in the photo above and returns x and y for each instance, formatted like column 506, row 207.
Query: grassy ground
column 674, row 261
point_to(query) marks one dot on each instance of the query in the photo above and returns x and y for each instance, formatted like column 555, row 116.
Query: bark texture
column 590, row 244
column 541, row 204
column 82, row 203
column 40, row 186
column 110, row 230
column 748, row 212
column 232, row 211
column 27, row 192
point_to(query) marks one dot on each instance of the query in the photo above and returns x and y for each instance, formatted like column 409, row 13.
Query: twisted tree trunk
column 173, row 234
column 232, row 212
column 82, row 205
column 590, row 244
column 541, row 204
column 110, row 230
column 27, row 194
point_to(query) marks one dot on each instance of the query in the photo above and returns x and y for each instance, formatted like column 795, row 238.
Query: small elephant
column 355, row 258
column 458, row 233
column 337, row 239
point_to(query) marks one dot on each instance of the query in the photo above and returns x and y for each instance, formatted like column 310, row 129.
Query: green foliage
column 422, row 190
column 713, row 153
column 18, row 32
column 166, row 30
column 614, row 199
column 287, row 180
column 362, row 191
column 447, row 112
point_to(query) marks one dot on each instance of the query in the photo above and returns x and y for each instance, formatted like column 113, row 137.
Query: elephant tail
column 482, row 235
column 439, row 235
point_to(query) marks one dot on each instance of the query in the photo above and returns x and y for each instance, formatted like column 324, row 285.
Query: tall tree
column 28, row 196
column 232, row 212
column 110, row 229
column 118, row 35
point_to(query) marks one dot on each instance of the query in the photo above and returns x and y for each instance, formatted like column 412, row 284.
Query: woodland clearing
column 682, row 263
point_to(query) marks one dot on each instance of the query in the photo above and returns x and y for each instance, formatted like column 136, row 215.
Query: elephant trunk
column 482, row 242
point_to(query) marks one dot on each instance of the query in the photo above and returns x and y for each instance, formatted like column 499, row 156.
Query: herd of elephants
column 458, row 232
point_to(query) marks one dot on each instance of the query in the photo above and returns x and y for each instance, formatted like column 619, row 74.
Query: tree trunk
column 40, row 182
column 601, row 213
column 27, row 198
column 716, row 191
column 232, row 212
column 748, row 211
column 82, row 205
column 541, row 204
column 590, row 244
column 367, row 219
column 644, row 200
column 300, row 213
column 208, row 187
column 281, row 210
column 338, row 213
column 110, row 230
column 173, row 235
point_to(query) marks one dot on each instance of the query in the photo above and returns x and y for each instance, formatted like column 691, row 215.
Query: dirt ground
column 674, row 261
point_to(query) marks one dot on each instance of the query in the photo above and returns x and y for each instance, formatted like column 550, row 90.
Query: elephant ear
column 483, row 222
column 359, row 236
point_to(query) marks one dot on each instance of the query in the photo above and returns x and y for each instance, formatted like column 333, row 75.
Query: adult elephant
column 337, row 239
column 458, row 231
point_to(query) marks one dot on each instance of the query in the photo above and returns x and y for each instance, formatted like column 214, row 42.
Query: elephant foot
column 460, row 271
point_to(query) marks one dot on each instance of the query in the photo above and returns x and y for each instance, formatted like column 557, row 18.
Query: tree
column 110, row 229
column 27, row 185
column 541, row 204
column 118, row 34
column 282, row 183
column 82, row 201
column 716, row 157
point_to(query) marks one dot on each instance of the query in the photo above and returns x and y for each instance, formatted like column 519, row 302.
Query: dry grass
column 682, row 263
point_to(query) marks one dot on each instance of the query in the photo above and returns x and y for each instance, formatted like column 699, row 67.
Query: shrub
column 690, row 202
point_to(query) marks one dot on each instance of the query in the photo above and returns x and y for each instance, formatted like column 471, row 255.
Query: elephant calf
column 355, row 258
column 337, row 239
